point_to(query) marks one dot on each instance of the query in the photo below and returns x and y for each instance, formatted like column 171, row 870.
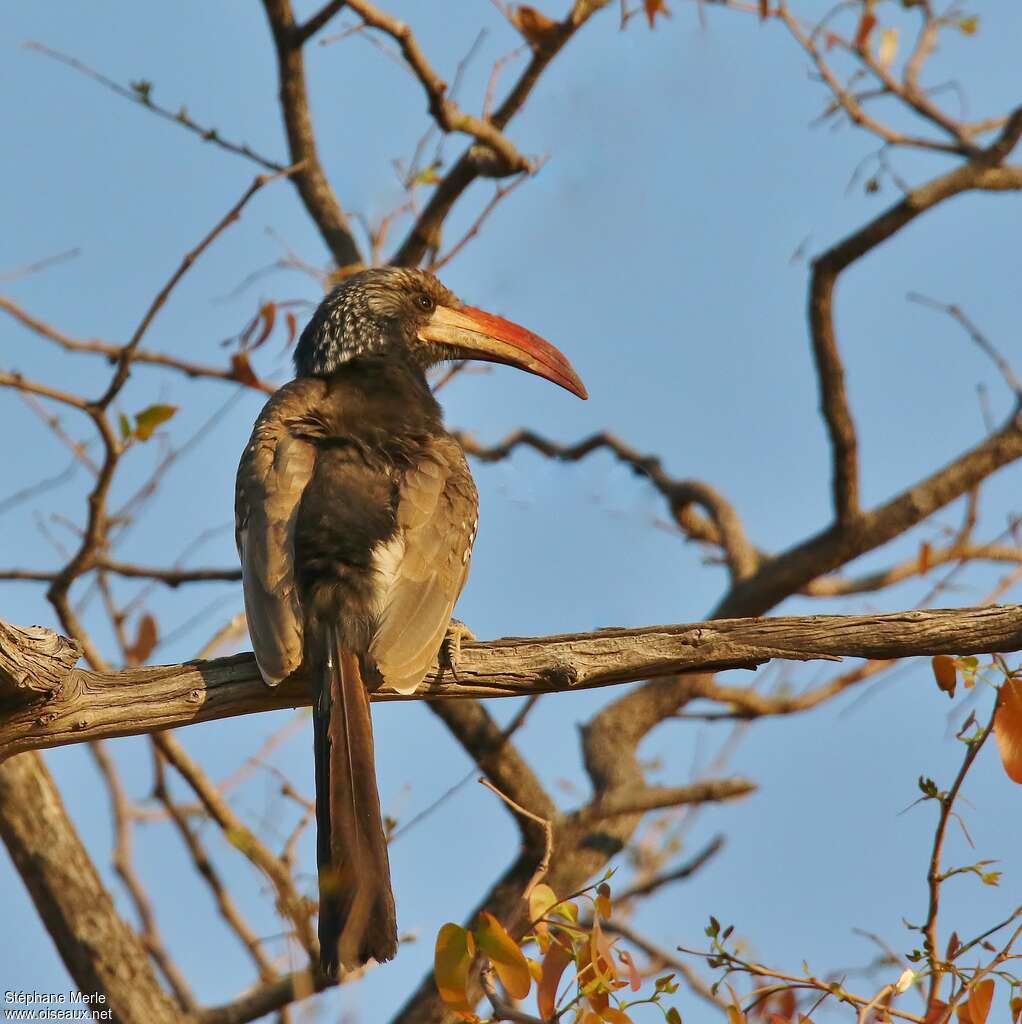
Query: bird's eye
column 424, row 302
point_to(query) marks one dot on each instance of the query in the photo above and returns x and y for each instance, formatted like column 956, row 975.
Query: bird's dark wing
column 423, row 568
column 276, row 466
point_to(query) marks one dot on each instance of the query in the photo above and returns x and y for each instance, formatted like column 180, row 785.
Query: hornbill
column 355, row 514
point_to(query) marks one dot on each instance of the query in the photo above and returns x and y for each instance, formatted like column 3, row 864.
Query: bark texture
column 104, row 956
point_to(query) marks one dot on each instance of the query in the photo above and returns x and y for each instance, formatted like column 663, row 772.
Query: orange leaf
column 534, row 25
column 634, row 978
column 925, row 553
column 945, row 674
column 145, row 641
column 653, row 8
column 976, row 1009
column 589, row 978
column 786, row 1002
column 865, row 28
column 935, row 1011
column 554, row 963
column 242, row 372
column 615, row 1016
column 1016, row 1009
column 1008, row 728
column 268, row 316
column 735, row 1016
column 451, row 962
column 508, row 960
column 764, row 9
column 292, row 327
column 603, row 962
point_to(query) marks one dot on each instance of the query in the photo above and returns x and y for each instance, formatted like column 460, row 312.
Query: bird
column 356, row 513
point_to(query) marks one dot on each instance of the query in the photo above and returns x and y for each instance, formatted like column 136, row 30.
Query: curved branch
column 981, row 172
column 319, row 198
column 787, row 573
column 94, row 705
column 425, row 232
column 721, row 525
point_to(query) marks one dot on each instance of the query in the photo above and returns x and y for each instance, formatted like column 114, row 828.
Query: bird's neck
column 381, row 394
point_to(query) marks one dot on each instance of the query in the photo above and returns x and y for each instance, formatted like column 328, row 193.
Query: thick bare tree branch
column 104, row 956
column 95, row 705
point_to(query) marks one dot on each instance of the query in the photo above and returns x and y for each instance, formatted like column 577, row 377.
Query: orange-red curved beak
column 477, row 334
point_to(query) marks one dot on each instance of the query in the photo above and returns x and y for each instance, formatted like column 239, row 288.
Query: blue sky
column 656, row 249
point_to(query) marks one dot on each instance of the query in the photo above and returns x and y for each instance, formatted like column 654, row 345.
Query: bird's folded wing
column 275, row 468
column 423, row 568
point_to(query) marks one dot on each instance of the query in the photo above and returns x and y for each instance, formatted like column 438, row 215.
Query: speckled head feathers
column 373, row 312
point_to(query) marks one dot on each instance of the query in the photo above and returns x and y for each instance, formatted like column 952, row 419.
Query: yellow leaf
column 905, row 982
column 541, row 899
column 888, row 48
column 535, row 969
column 149, row 419
column 945, row 674
column 508, row 960
column 970, row 25
column 567, row 910
column 1008, row 727
column 451, row 962
column 672, row 1016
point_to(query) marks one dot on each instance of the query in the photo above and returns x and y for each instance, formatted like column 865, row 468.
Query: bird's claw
column 450, row 649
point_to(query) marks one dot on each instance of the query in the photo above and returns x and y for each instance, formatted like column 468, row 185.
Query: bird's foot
column 450, row 649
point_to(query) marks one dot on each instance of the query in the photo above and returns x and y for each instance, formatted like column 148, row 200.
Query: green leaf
column 672, row 1016
column 125, row 425
column 149, row 419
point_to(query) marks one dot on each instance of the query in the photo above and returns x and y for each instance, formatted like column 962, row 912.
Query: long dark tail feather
column 357, row 922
